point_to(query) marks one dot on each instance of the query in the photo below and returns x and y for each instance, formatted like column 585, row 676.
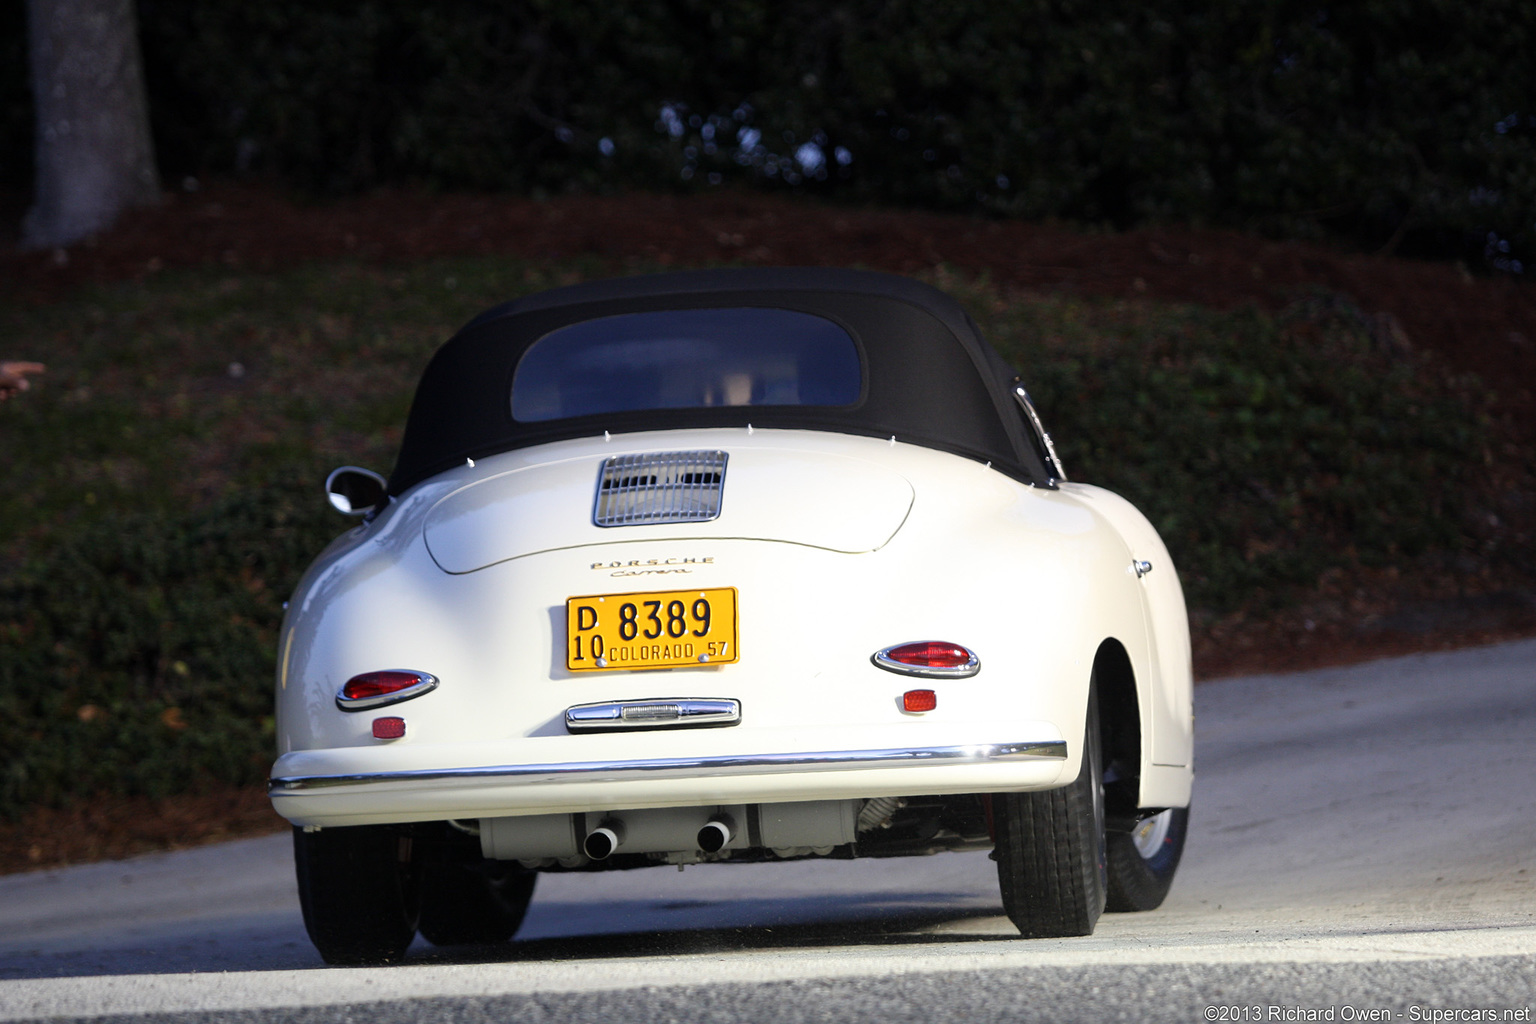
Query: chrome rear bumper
column 675, row 768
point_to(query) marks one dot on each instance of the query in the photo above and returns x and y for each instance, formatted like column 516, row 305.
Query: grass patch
column 164, row 482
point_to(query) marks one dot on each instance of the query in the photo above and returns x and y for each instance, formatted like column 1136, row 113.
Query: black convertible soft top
column 930, row 377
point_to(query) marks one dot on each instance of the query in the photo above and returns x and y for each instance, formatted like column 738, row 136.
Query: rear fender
column 1168, row 694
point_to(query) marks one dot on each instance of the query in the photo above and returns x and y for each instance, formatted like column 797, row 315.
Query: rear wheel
column 475, row 902
column 1050, row 849
column 1141, row 863
column 359, row 889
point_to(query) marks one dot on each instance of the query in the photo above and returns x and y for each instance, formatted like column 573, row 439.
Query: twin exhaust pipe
column 603, row 841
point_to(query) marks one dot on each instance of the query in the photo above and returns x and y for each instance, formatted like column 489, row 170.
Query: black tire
column 1141, row 864
column 1050, row 849
column 359, row 889
column 474, row 903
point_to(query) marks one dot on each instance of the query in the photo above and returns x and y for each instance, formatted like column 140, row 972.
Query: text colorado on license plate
column 661, row 629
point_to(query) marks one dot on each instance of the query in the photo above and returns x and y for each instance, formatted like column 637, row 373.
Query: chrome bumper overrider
column 696, row 767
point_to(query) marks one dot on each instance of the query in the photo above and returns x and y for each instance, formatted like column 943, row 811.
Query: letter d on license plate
column 659, row 629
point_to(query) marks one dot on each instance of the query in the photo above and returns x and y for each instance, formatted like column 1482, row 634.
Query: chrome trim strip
column 426, row 683
column 661, row 713
column 1053, row 462
column 882, row 659
column 696, row 767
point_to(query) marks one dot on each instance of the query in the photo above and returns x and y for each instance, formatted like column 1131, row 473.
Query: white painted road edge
column 33, row 999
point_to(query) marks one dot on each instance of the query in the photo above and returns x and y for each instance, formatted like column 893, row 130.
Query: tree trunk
column 94, row 155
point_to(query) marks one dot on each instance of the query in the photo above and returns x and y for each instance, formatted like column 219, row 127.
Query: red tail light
column 389, row 686
column 936, row 658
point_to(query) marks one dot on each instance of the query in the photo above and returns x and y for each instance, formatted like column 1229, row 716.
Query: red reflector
column 388, row 728
column 919, row 700
column 930, row 654
column 378, row 684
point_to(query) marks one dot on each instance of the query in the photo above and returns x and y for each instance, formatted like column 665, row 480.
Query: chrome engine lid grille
column 659, row 487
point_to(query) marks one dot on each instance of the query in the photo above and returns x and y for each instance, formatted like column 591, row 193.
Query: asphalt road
column 1363, row 847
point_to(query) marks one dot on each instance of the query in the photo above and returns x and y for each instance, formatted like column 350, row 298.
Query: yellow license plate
column 661, row 629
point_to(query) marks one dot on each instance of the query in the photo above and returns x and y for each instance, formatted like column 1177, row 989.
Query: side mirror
column 355, row 492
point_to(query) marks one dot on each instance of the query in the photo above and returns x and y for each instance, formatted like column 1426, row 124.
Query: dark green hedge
column 1408, row 122
column 1266, row 450
column 136, row 658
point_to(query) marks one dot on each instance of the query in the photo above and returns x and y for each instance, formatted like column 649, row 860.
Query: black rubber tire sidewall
column 1050, row 849
column 1138, row 883
column 358, row 889
column 474, row 903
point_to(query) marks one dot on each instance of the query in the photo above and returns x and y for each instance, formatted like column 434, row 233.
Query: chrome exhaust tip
column 603, row 840
column 716, row 833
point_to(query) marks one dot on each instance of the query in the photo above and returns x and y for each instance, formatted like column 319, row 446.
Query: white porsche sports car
column 721, row 567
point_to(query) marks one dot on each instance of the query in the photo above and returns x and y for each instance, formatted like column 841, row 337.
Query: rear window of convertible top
column 686, row 359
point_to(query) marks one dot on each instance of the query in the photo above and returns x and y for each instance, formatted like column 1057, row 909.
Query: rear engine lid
column 817, row 499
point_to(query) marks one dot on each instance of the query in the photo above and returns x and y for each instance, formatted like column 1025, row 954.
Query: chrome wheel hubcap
column 1150, row 833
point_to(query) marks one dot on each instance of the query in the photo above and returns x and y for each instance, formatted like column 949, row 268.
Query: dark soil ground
column 1483, row 324
column 1469, row 322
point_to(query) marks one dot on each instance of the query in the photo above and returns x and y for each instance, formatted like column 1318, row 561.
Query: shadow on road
column 909, row 927
column 624, row 929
